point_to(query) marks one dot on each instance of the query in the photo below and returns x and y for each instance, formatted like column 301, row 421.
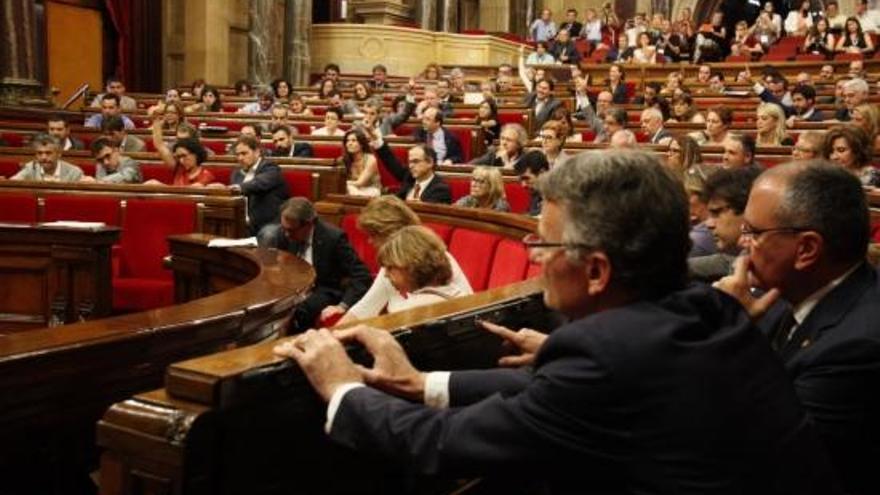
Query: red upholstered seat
column 474, row 252
column 807, row 57
column 221, row 174
column 360, row 243
column 142, row 282
column 82, row 208
column 218, row 146
column 15, row 139
column 459, row 187
column 18, row 208
column 517, row 196
column 159, row 171
column 510, row 263
column 9, row 167
column 327, row 150
column 442, row 230
column 299, row 183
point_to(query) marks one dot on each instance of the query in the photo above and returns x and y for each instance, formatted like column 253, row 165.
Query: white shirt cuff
column 335, row 400
column 437, row 389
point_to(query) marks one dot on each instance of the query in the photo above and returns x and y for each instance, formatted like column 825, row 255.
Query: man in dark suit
column 260, row 181
column 652, row 123
column 285, row 146
column 419, row 182
column 341, row 278
column 564, row 49
column 57, row 126
column 652, row 387
column 445, row 144
column 803, row 98
column 542, row 102
column 571, row 24
column 806, row 232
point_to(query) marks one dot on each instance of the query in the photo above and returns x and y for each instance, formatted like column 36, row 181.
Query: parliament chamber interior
column 439, row 247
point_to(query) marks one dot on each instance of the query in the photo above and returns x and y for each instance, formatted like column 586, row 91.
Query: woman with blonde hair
column 487, row 190
column 867, row 117
column 380, row 220
column 771, row 126
column 416, row 264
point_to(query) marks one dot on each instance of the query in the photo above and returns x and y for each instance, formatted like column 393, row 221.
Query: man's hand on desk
column 322, row 358
column 524, row 341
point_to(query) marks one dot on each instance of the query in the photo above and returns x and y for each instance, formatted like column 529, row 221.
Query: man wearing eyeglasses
column 651, row 387
column 726, row 193
column 806, row 234
column 111, row 166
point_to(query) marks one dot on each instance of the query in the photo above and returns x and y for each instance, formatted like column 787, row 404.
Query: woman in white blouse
column 332, row 117
column 380, row 220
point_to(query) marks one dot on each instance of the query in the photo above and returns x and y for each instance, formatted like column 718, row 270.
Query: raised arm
column 158, row 140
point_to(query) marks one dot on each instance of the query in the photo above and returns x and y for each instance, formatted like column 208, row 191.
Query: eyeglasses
column 547, row 137
column 752, row 234
column 534, row 241
column 479, row 180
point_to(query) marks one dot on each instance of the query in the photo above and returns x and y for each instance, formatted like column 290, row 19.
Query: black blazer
column 618, row 96
column 453, row 145
column 338, row 270
column 834, row 359
column 266, row 192
column 302, row 150
column 663, row 134
column 574, row 28
column 437, row 191
column 547, row 110
column 669, row 396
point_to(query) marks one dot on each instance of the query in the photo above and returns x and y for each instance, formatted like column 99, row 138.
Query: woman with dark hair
column 298, row 107
column 616, row 85
column 683, row 153
column 361, row 95
column 210, row 101
column 854, row 40
column 718, row 122
column 487, row 119
column 819, row 39
column 850, row 147
column 431, row 72
column 243, row 88
column 684, row 110
column 326, row 88
column 186, row 156
column 282, row 89
column 196, row 89
column 361, row 168
column 563, row 116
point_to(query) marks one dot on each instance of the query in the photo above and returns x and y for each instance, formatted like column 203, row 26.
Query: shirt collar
column 802, row 310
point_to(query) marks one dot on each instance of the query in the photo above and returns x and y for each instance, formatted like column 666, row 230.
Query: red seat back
column 9, row 167
column 517, row 196
column 443, row 231
column 474, row 252
column 82, row 208
column 159, row 171
column 360, row 243
column 509, row 264
column 145, row 229
column 20, row 208
column 221, row 174
column 327, row 150
column 459, row 187
column 299, row 183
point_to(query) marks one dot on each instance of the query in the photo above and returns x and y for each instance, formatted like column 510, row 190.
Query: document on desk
column 224, row 243
column 73, row 224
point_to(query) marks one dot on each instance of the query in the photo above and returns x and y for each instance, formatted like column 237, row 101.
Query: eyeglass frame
column 534, row 241
column 748, row 232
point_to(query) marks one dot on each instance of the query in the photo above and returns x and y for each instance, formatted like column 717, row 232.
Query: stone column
column 18, row 57
column 297, row 58
column 426, row 14
column 381, row 11
column 449, row 13
column 260, row 42
column 206, row 41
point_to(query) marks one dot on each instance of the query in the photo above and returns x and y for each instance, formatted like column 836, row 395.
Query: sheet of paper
column 224, row 243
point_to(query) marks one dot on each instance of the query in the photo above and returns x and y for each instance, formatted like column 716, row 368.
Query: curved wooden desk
column 57, row 382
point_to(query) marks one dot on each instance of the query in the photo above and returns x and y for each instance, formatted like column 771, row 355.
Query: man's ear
column 810, row 248
column 597, row 270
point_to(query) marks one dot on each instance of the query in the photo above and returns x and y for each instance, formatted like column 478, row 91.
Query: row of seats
column 140, row 282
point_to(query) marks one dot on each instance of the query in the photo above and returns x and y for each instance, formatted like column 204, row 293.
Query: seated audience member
column 857, row 69
column 262, row 106
column 867, row 118
column 379, row 81
column 798, row 22
column 402, row 107
column 487, row 120
column 431, row 72
column 115, row 86
column 622, row 53
column 444, row 143
column 331, row 73
column 623, row 138
column 445, row 94
column 298, row 107
column 809, row 146
column 332, row 117
column 114, row 128
column 868, row 17
column 283, row 138
column 726, row 193
column 572, row 25
column 243, row 88
column 739, row 151
column 361, row 95
column 711, row 41
column 361, row 167
column 47, row 164
column 282, row 89
column 341, row 278
column 716, row 83
column 280, row 115
column 109, row 108
column 419, row 182
column 415, row 262
column 770, row 124
column 806, row 233
column 379, row 220
column 652, row 124
column 542, row 102
column 487, row 190
column 614, row 120
column 326, row 89
column 562, row 116
column 616, row 86
column 850, row 147
column 530, row 168
column 511, row 145
column 592, row 28
column 246, row 130
column 260, row 181
column 111, row 166
column 702, row 240
column 564, row 50
column 855, row 92
column 803, row 99
column 553, row 138
column 682, row 153
column 334, row 100
column 774, row 89
column 186, row 155
column 57, row 126
column 649, row 94
column 718, row 122
column 854, row 39
column 170, row 115
column 210, row 101
column 826, row 73
column 540, row 56
column 171, row 96
column 684, row 110
column 458, row 84
column 646, row 52
column 835, row 19
column 819, row 39
column 594, row 117
column 196, row 89
column 744, row 42
column 619, row 392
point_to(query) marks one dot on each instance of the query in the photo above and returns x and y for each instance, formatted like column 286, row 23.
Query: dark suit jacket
column 663, row 134
column 302, row 150
column 619, row 96
column 437, row 191
column 75, row 144
column 547, row 110
column 834, row 360
column 568, row 49
column 574, row 28
column 680, row 395
column 265, row 194
column 453, row 145
column 842, row 114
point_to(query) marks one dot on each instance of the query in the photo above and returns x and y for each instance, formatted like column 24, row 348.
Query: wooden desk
column 54, row 275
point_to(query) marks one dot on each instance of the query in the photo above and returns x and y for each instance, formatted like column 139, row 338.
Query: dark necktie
column 782, row 331
column 417, row 191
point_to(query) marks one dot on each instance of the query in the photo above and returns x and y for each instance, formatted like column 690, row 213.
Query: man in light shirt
column 543, row 29
column 47, row 164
